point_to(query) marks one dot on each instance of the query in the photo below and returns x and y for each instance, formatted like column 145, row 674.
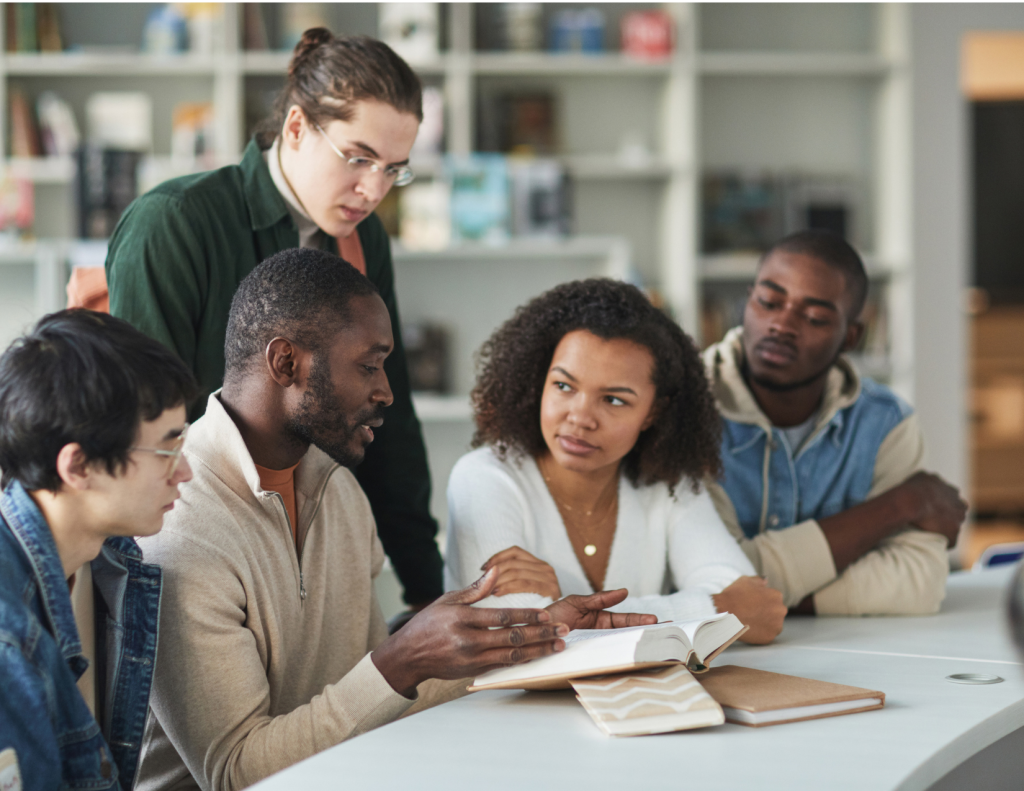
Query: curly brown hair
column 513, row 366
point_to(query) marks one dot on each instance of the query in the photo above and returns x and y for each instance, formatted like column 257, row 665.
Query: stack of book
column 656, row 679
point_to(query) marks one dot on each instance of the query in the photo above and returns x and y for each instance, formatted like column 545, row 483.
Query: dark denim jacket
column 42, row 715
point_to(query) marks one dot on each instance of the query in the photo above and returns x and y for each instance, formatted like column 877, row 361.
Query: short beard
column 320, row 422
column 785, row 387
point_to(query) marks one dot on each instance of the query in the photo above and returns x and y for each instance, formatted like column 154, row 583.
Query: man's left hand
column 590, row 612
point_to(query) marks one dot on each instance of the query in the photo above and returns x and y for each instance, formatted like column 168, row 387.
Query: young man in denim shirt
column 823, row 483
column 92, row 423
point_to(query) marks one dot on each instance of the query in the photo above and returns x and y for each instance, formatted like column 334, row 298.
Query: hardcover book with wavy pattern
column 658, row 701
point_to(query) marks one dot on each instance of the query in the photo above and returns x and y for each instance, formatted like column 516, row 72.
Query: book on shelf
column 48, row 28
column 647, row 35
column 758, row 697
column 107, row 183
column 254, row 27
column 748, row 212
column 24, row 131
column 520, row 122
column 541, row 205
column 577, row 30
column 58, row 130
column 479, row 197
column 192, row 132
column 424, row 215
column 17, row 204
column 655, row 701
column 596, row 652
column 427, row 350
column 526, row 123
column 296, row 18
column 517, row 27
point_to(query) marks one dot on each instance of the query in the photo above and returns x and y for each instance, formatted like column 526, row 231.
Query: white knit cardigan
column 662, row 542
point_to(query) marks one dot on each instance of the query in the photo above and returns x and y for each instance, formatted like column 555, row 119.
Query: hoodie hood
column 723, row 363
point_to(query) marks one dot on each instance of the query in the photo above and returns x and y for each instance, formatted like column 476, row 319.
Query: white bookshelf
column 815, row 88
column 694, row 112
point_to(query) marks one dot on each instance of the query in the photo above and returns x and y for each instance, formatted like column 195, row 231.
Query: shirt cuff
column 368, row 697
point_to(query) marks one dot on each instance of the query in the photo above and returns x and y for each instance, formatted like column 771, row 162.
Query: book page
column 689, row 628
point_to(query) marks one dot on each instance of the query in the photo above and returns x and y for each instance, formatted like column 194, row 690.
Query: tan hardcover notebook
column 598, row 652
column 757, row 697
column 655, row 701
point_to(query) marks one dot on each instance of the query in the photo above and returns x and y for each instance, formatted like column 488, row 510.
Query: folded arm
column 870, row 557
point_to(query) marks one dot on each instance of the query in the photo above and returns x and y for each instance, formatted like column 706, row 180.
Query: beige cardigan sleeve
column 904, row 575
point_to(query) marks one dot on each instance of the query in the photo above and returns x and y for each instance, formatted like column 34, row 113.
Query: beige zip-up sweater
column 904, row 575
column 264, row 657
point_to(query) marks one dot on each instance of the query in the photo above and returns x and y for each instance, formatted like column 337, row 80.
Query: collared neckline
column 216, row 442
column 266, row 205
column 30, row 528
column 310, row 234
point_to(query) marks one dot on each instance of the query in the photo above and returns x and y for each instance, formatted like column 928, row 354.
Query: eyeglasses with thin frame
column 398, row 175
column 173, row 455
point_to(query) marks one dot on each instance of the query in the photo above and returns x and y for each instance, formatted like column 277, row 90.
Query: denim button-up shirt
column 58, row 742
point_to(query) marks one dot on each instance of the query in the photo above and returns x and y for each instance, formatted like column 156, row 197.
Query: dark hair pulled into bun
column 311, row 39
column 328, row 75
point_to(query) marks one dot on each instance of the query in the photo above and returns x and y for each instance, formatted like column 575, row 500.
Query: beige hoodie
column 904, row 575
column 264, row 657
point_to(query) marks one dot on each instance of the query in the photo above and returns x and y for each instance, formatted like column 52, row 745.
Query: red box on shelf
column 648, row 35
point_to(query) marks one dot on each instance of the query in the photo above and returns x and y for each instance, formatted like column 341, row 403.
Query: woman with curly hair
column 595, row 427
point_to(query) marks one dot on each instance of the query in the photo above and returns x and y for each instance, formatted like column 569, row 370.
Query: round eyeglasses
column 398, row 175
column 173, row 455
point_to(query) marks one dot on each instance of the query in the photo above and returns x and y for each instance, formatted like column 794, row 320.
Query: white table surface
column 545, row 740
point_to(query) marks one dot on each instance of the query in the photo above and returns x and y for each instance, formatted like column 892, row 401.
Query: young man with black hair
column 823, row 483
column 272, row 644
column 92, row 423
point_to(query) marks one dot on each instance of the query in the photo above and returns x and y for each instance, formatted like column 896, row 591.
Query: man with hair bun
column 823, row 481
column 337, row 140
column 272, row 644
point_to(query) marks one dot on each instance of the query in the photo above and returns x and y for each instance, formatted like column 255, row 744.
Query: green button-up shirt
column 175, row 260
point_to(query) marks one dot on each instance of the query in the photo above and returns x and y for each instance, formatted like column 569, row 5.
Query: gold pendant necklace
column 589, row 547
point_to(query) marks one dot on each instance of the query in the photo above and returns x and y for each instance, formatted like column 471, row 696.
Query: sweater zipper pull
column 302, row 587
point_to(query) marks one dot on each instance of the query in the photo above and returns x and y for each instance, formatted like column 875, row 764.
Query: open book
column 653, row 701
column 596, row 652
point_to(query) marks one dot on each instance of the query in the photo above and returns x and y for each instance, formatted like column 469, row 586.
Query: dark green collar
column 266, row 206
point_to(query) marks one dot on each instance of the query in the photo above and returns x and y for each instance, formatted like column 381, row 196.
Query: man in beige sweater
column 272, row 644
column 823, row 484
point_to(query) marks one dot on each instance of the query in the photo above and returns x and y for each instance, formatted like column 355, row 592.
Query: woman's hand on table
column 521, row 572
column 756, row 605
